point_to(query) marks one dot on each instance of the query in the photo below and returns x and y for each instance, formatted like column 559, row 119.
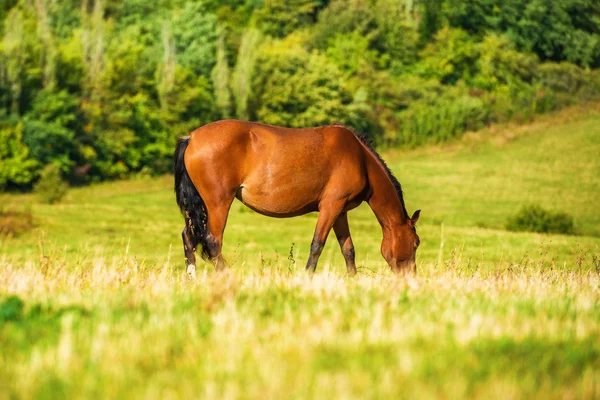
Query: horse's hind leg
column 217, row 219
column 189, row 249
column 342, row 232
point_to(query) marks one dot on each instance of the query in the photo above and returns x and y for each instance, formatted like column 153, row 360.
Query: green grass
column 472, row 188
column 114, row 329
column 95, row 302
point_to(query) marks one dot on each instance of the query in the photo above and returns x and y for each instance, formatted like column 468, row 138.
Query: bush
column 440, row 120
column 51, row 188
column 17, row 167
column 534, row 218
column 568, row 84
column 13, row 222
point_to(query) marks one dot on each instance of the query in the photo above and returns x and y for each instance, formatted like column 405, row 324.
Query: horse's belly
column 277, row 202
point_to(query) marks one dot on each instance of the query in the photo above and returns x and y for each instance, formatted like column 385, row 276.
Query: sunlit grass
column 94, row 302
column 113, row 328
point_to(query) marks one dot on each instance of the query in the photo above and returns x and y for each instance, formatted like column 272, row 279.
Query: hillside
column 471, row 187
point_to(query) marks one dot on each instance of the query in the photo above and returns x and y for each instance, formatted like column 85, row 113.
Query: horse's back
column 278, row 171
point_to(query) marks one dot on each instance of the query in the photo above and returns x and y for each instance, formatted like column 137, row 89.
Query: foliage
column 51, row 188
column 342, row 18
column 534, row 218
column 556, row 31
column 450, row 57
column 445, row 118
column 195, row 34
column 567, row 84
column 499, row 64
column 283, row 96
column 17, row 167
column 103, row 87
column 281, row 17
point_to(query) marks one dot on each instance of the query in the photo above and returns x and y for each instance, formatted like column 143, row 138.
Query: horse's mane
column 367, row 142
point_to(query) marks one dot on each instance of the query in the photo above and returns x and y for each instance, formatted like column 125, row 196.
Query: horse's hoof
column 191, row 271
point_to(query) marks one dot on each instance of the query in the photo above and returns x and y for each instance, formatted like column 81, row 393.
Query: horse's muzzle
column 405, row 267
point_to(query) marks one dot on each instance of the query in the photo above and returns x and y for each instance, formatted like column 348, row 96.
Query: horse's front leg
column 327, row 216
column 342, row 232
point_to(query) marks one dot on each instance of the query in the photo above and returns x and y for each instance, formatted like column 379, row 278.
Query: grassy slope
column 471, row 187
column 106, row 314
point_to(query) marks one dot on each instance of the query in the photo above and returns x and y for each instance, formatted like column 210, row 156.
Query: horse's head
column 399, row 246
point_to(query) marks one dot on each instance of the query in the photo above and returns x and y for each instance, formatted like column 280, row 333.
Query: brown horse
column 284, row 172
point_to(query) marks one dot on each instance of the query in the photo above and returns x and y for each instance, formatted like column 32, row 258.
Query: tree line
column 102, row 88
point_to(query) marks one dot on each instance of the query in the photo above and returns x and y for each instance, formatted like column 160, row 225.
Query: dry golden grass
column 113, row 328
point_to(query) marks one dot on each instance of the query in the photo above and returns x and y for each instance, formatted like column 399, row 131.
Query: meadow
column 94, row 302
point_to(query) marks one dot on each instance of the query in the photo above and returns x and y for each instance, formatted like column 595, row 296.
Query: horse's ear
column 415, row 217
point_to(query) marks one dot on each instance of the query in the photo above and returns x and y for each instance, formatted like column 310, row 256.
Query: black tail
column 188, row 199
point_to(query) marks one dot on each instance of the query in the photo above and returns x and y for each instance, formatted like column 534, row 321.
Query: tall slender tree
column 220, row 77
column 242, row 74
column 166, row 72
column 14, row 51
column 48, row 53
column 93, row 43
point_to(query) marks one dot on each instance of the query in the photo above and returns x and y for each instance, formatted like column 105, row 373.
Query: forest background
column 102, row 88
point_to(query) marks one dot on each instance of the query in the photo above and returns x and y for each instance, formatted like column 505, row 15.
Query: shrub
column 568, row 83
column 445, row 118
column 534, row 218
column 13, row 222
column 11, row 309
column 17, row 167
column 51, row 188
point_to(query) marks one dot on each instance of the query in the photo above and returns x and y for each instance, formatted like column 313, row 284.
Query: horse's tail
column 188, row 199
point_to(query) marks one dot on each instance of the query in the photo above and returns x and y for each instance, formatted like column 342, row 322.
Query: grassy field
column 95, row 303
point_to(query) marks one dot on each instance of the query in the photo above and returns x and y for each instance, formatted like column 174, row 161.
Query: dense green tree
column 562, row 30
column 554, row 30
column 21, row 61
column 498, row 63
column 398, row 37
column 195, row 33
column 281, row 17
column 450, row 57
column 51, row 127
column 293, row 87
column 17, row 167
column 341, row 18
column 432, row 18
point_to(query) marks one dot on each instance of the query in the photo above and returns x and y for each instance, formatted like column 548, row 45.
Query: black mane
column 368, row 144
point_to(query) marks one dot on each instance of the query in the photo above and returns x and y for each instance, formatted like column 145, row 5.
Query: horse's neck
column 384, row 200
